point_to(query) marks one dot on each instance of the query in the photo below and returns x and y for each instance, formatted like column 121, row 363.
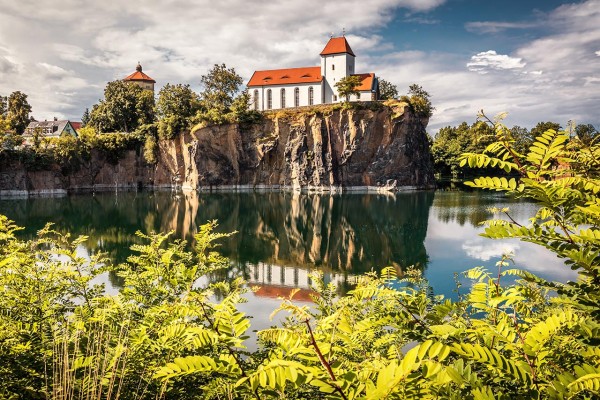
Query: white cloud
column 490, row 60
column 597, row 53
column 176, row 41
column 496, row 26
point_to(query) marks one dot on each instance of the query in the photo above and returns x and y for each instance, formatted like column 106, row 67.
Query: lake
column 284, row 235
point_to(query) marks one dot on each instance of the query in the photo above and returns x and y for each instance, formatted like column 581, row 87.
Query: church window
column 269, row 99
column 333, row 67
column 311, row 96
column 256, row 99
column 282, row 98
column 297, row 97
column 334, row 97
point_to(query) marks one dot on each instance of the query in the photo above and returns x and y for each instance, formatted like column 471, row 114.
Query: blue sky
column 537, row 60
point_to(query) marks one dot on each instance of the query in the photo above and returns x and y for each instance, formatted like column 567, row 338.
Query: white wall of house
column 334, row 68
column 289, row 90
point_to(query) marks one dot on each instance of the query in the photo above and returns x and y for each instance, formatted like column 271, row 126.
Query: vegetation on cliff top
column 165, row 336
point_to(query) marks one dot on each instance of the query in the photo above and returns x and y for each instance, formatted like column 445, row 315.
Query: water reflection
column 281, row 236
column 340, row 234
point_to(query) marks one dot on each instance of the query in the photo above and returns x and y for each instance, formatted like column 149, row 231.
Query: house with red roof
column 296, row 87
column 141, row 79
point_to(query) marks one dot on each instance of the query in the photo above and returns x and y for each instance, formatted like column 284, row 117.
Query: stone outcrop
column 322, row 147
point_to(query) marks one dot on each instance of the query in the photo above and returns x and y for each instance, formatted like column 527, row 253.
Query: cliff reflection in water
column 347, row 234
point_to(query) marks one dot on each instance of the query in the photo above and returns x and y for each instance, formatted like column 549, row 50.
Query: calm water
column 282, row 236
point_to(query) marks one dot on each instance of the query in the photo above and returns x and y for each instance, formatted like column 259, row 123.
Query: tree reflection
column 342, row 235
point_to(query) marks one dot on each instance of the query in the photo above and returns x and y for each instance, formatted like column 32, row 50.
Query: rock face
column 307, row 148
column 383, row 146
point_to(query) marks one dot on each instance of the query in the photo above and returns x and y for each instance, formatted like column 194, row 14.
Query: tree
column 220, row 86
column 586, row 133
column 3, row 106
column 85, row 118
column 348, row 86
column 522, row 137
column 125, row 107
column 177, row 100
column 176, row 105
column 387, row 90
column 18, row 111
column 451, row 142
column 542, row 127
column 419, row 100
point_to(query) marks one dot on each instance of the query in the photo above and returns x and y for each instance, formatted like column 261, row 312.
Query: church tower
column 141, row 79
column 337, row 62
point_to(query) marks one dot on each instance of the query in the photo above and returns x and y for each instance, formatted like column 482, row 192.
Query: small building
column 50, row 129
column 295, row 87
column 141, row 79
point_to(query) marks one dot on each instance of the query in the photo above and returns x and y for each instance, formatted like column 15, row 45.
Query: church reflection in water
column 280, row 237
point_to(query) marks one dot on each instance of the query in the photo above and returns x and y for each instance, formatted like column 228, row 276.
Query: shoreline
column 8, row 194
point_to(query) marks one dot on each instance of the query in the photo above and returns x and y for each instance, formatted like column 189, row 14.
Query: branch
column 324, row 362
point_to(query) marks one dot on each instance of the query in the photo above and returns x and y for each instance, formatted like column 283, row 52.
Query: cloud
column 597, row 53
column 176, row 41
column 421, row 20
column 490, row 60
column 496, row 26
column 7, row 66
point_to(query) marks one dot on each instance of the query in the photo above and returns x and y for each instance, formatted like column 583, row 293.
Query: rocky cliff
column 322, row 147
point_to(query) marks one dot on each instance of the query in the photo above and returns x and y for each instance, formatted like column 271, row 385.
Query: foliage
column 510, row 335
column 419, row 100
column 150, row 150
column 451, row 142
column 176, row 105
column 220, row 85
column 387, row 90
column 564, row 182
column 125, row 107
column 586, row 133
column 85, row 118
column 348, row 86
column 17, row 111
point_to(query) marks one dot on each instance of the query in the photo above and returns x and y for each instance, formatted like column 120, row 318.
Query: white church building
column 295, row 87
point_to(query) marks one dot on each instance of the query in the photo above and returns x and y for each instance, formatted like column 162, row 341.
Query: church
column 296, row 87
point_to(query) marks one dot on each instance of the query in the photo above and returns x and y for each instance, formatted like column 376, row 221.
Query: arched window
column 333, row 67
column 256, row 99
column 282, row 98
column 311, row 96
column 269, row 99
column 297, row 97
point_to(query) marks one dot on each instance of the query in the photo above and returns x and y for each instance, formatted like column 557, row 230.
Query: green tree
column 586, row 133
column 175, row 107
column 3, row 106
column 220, row 85
column 348, row 86
column 522, row 137
column 85, row 118
column 387, row 90
column 542, row 127
column 125, row 107
column 451, row 142
column 419, row 100
column 18, row 110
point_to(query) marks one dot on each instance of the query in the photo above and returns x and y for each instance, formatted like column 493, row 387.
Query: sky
column 538, row 60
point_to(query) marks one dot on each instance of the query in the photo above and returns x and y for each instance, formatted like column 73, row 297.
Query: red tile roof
column 336, row 46
column 275, row 291
column 366, row 81
column 138, row 75
column 292, row 76
column 76, row 125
